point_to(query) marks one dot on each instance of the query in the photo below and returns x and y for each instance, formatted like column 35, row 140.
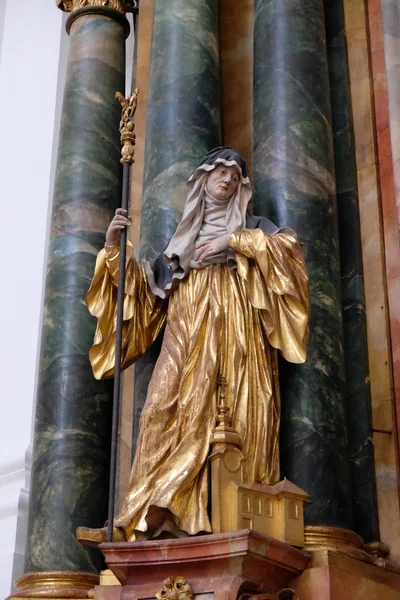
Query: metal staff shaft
column 127, row 152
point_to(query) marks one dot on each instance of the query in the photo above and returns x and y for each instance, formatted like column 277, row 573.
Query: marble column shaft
column 70, row 473
column 361, row 450
column 294, row 180
column 183, row 123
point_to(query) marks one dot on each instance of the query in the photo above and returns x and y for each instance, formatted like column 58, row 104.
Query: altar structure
column 307, row 91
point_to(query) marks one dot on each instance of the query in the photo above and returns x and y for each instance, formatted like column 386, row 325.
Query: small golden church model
column 276, row 511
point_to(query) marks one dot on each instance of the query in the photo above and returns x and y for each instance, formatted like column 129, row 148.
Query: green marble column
column 69, row 485
column 295, row 186
column 183, row 123
column 183, row 113
column 361, row 448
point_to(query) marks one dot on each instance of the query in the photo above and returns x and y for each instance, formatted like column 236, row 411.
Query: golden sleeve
column 277, row 281
column 144, row 313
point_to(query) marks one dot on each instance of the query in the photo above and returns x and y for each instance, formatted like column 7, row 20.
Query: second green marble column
column 361, row 449
column 295, row 186
column 183, row 123
column 70, row 472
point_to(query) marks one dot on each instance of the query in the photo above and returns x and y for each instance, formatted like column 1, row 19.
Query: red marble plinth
column 222, row 566
column 334, row 576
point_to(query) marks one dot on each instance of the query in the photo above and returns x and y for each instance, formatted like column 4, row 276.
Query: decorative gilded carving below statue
column 127, row 126
column 175, row 588
column 120, row 5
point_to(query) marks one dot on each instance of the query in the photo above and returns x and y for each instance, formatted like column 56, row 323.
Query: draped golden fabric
column 218, row 320
column 144, row 314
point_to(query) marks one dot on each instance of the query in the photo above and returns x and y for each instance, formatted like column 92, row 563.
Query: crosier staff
column 126, row 128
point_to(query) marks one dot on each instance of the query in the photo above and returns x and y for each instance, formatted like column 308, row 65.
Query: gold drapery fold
column 278, row 287
column 217, row 322
column 144, row 313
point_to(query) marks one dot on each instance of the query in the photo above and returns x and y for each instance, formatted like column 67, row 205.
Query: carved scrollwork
column 175, row 588
column 122, row 6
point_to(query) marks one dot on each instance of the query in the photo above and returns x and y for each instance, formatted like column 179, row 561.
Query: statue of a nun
column 231, row 289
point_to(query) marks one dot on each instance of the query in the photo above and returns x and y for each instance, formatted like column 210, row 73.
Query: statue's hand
column 119, row 221
column 212, row 247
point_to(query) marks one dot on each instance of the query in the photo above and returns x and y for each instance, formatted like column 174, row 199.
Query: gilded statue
column 229, row 291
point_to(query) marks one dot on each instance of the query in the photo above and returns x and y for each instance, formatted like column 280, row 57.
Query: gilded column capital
column 122, row 6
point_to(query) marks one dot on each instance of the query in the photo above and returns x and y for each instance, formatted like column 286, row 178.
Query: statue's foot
column 169, row 529
column 142, row 536
column 90, row 536
column 93, row 537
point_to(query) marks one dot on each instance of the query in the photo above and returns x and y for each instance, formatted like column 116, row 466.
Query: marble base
column 339, row 577
column 220, row 566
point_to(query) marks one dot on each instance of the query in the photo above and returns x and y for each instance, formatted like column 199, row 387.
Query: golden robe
column 218, row 321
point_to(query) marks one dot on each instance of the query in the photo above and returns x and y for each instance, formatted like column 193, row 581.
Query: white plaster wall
column 31, row 76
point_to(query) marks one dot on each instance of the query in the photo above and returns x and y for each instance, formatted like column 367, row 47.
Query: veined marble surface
column 73, row 416
column 361, row 451
column 293, row 167
column 183, row 112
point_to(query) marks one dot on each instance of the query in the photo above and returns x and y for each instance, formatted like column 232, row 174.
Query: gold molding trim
column 55, row 584
column 337, row 540
column 72, row 5
column 324, row 537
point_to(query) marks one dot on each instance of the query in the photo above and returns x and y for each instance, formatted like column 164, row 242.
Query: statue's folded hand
column 212, row 247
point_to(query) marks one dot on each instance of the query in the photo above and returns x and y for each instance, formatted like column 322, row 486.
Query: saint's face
column 222, row 182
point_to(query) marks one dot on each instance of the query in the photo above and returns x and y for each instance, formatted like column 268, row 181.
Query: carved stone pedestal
column 336, row 576
column 217, row 567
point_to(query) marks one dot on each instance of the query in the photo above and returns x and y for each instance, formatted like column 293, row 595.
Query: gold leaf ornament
column 120, row 5
column 126, row 125
column 175, row 588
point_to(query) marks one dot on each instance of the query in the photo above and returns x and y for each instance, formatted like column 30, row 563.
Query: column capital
column 122, row 6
